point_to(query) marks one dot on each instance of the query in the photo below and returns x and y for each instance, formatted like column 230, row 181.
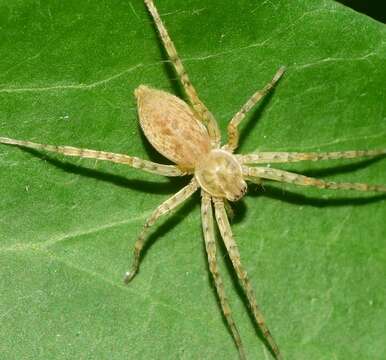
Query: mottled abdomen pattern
column 171, row 127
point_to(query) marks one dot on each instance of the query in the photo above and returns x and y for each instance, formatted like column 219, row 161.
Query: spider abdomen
column 171, row 127
column 220, row 174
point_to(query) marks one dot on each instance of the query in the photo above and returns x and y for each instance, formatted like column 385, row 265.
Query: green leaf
column 67, row 226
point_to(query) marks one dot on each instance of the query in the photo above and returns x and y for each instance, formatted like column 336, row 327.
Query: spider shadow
column 275, row 193
column 292, row 197
column 256, row 114
column 151, row 187
column 138, row 185
column 239, row 212
column 152, row 153
column 171, row 74
column 178, row 215
column 223, row 253
column 179, row 91
column 345, row 168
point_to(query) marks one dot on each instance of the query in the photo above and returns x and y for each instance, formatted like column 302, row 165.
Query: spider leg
column 230, row 244
column 190, row 91
column 228, row 209
column 285, row 157
column 162, row 209
column 233, row 133
column 289, row 177
column 209, row 237
column 148, row 166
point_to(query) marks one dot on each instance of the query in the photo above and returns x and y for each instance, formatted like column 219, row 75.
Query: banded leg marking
column 210, row 245
column 286, row 157
column 233, row 251
column 292, row 178
column 204, row 114
column 233, row 133
column 137, row 163
column 163, row 209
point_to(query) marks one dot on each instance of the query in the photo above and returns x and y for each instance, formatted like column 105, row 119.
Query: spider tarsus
column 129, row 276
column 279, row 73
column 282, row 69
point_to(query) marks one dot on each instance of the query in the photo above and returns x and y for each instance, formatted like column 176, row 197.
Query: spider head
column 219, row 173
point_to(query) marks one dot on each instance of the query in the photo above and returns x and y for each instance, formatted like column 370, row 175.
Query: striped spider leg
column 162, row 209
column 210, row 245
column 297, row 179
column 135, row 162
column 234, row 254
column 257, row 173
column 203, row 114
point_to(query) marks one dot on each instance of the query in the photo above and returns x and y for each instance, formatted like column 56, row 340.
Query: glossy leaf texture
column 317, row 259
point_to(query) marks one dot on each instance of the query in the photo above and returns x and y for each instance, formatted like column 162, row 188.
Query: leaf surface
column 67, row 226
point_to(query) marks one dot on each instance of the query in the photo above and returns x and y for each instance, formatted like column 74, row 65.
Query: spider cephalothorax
column 188, row 135
column 220, row 175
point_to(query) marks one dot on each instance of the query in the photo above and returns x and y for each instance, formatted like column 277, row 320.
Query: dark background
column 374, row 8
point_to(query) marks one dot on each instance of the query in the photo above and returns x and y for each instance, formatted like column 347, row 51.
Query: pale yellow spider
column 189, row 136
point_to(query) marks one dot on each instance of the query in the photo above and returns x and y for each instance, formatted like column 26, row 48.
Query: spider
column 188, row 135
